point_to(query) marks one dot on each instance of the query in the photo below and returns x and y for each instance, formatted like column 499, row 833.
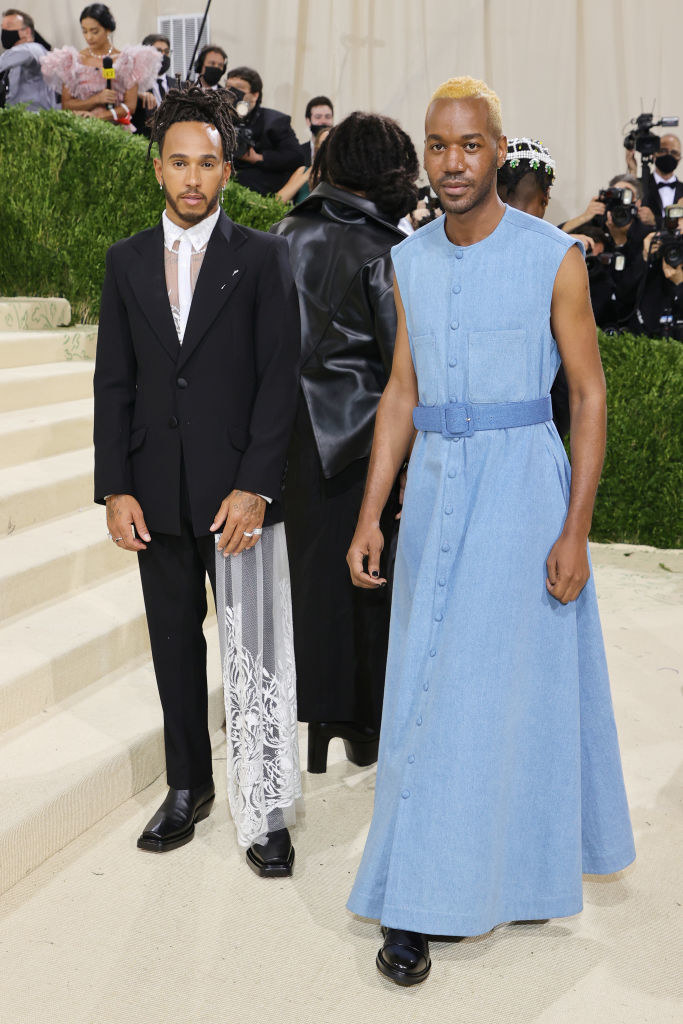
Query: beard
column 194, row 216
column 474, row 195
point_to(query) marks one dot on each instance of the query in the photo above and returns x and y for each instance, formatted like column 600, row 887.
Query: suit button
column 173, row 421
column 181, row 382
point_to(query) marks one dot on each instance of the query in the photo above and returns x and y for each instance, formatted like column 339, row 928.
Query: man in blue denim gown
column 499, row 778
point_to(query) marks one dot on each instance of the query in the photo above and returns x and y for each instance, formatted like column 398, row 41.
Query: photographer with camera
column 661, row 188
column 659, row 305
column 267, row 148
column 623, row 223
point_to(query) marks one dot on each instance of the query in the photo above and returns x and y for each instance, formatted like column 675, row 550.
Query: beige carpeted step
column 53, row 652
column 22, row 387
column 62, row 772
column 27, row 434
column 26, row 313
column 49, row 561
column 27, row 348
column 45, row 488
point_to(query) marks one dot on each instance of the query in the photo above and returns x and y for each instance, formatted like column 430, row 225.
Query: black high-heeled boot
column 360, row 742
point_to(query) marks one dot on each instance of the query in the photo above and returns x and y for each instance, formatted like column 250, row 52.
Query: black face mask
column 9, row 37
column 212, row 76
column 165, row 64
column 666, row 164
column 316, row 128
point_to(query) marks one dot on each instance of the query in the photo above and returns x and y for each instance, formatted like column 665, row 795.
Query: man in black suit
column 275, row 153
column 661, row 186
column 195, row 394
column 319, row 115
column 149, row 101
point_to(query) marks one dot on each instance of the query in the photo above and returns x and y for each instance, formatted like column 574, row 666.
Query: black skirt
column 341, row 632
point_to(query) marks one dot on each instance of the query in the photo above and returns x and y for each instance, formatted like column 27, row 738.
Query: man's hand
column 568, row 569
column 367, row 542
column 594, row 209
column 148, row 100
column 631, row 162
column 650, row 246
column 124, row 520
column 646, row 216
column 252, row 157
column 242, row 512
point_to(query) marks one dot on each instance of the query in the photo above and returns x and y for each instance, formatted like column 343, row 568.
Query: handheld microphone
column 109, row 74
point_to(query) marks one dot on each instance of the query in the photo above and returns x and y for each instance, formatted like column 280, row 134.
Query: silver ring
column 246, row 534
column 117, row 539
column 258, row 531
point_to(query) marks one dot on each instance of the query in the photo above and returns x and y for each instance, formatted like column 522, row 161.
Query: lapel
column 221, row 273
column 147, row 279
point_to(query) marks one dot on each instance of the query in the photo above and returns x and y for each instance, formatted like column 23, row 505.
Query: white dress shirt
column 192, row 243
column 667, row 195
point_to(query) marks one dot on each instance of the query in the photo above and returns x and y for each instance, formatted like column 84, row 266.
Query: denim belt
column 461, row 419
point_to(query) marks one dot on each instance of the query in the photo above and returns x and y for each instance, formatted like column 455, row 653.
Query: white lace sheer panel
column 180, row 309
column 259, row 683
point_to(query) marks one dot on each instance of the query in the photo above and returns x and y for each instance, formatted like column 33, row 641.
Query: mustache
column 192, row 192
column 452, row 179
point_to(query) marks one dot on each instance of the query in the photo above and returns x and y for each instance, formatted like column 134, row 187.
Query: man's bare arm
column 394, row 434
column 573, row 327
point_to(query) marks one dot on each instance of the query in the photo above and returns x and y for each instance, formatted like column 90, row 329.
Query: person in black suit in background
column 275, row 153
column 195, row 395
column 149, row 101
column 661, row 187
column 319, row 116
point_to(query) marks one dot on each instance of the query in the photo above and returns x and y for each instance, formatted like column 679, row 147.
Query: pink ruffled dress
column 134, row 65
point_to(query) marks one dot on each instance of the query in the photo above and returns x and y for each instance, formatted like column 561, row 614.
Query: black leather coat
column 339, row 246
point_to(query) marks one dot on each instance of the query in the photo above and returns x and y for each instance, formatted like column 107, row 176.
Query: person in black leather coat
column 340, row 239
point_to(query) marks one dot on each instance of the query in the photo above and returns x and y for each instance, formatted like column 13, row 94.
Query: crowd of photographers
column 630, row 230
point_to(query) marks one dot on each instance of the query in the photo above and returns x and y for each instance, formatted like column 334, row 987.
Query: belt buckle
column 457, row 419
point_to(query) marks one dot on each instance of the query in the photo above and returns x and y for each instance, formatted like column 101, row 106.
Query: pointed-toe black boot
column 173, row 824
column 360, row 742
column 404, row 957
column 273, row 859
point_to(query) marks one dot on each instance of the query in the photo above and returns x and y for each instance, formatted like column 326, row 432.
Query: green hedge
column 639, row 499
column 70, row 187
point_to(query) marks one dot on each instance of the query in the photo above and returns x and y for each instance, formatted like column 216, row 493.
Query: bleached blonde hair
column 464, row 88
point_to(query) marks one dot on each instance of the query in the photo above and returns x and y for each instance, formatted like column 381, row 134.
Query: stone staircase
column 80, row 722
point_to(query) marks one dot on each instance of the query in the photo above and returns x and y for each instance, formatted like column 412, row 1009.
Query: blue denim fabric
column 499, row 778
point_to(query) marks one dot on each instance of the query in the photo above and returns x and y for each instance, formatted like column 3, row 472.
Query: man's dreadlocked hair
column 371, row 154
column 194, row 104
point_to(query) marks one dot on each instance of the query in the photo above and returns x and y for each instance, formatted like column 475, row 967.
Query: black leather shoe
column 360, row 742
column 404, row 957
column 275, row 858
column 173, row 824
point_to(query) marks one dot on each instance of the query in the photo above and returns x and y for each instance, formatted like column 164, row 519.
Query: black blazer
column 652, row 198
column 340, row 249
column 274, row 138
column 223, row 402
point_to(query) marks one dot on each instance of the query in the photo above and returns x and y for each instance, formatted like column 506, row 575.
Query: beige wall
column 570, row 72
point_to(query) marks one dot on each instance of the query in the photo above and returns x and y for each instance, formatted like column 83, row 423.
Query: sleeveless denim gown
column 499, row 777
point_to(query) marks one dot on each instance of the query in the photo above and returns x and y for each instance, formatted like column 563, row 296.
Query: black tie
column 667, row 184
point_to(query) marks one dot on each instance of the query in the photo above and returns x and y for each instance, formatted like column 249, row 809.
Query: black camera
column 617, row 260
column 668, row 244
column 618, row 202
column 244, row 135
column 642, row 138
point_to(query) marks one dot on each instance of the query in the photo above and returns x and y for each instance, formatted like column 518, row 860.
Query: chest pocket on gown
column 424, row 359
column 498, row 366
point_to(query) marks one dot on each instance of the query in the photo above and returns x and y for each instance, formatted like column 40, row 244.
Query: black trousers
column 173, row 571
column 341, row 632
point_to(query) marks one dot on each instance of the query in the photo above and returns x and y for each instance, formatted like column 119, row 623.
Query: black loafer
column 275, row 858
column 173, row 824
column 404, row 957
